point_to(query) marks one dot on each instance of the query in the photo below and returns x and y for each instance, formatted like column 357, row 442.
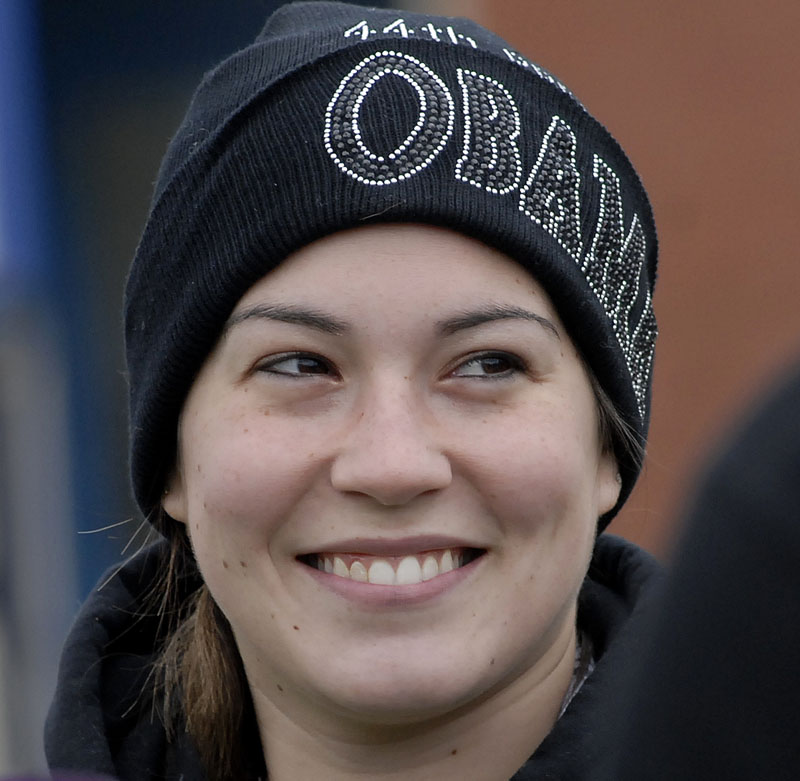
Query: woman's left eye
column 490, row 366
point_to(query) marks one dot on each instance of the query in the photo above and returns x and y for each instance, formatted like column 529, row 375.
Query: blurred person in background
column 715, row 690
column 390, row 340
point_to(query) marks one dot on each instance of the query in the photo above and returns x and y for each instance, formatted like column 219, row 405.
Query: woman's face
column 390, row 472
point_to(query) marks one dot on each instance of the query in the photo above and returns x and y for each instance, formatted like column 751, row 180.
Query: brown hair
column 199, row 674
column 616, row 434
column 199, row 680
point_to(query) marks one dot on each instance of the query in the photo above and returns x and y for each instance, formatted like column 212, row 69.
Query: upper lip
column 403, row 546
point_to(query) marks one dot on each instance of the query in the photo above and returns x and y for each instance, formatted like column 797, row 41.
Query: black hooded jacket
column 102, row 720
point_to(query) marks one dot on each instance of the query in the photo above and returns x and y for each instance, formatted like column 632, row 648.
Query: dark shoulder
column 104, row 718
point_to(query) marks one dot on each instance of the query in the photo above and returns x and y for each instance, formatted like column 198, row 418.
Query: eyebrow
column 491, row 313
column 288, row 314
column 328, row 324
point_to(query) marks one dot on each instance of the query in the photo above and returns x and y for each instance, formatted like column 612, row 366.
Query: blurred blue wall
column 37, row 555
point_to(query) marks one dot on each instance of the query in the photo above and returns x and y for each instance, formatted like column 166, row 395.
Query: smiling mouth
column 392, row 570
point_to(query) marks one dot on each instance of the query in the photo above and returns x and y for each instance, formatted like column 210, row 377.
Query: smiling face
column 390, row 473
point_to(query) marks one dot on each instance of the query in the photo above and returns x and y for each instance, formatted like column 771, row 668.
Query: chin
column 405, row 695
column 396, row 708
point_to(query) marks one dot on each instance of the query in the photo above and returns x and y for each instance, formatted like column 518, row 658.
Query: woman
column 390, row 337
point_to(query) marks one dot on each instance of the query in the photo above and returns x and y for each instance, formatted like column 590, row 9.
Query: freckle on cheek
column 296, row 627
column 225, row 564
column 243, row 564
column 266, row 413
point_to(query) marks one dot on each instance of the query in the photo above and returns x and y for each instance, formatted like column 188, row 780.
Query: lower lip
column 374, row 595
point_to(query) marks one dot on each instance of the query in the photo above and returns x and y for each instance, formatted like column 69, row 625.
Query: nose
column 390, row 452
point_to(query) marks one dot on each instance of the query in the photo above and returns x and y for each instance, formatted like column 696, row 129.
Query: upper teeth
column 404, row 571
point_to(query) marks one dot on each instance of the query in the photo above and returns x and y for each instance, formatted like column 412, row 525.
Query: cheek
column 242, row 477
column 541, row 490
column 541, row 468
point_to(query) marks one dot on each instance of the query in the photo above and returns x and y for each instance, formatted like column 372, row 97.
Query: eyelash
column 514, row 365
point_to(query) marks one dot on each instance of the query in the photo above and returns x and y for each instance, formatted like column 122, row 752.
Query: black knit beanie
column 338, row 116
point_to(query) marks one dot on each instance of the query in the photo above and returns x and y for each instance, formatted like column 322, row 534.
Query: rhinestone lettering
column 434, row 126
column 613, row 265
column 491, row 158
column 551, row 196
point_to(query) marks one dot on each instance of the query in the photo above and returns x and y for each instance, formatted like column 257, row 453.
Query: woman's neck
column 489, row 739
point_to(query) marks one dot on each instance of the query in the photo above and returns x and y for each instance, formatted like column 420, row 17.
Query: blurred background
column 704, row 96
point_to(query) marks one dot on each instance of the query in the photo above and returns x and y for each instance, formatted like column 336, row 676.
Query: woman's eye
column 296, row 365
column 490, row 365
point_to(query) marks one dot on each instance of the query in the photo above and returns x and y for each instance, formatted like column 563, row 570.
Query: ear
column 609, row 483
column 173, row 501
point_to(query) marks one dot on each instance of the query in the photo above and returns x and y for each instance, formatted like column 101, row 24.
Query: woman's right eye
column 296, row 365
